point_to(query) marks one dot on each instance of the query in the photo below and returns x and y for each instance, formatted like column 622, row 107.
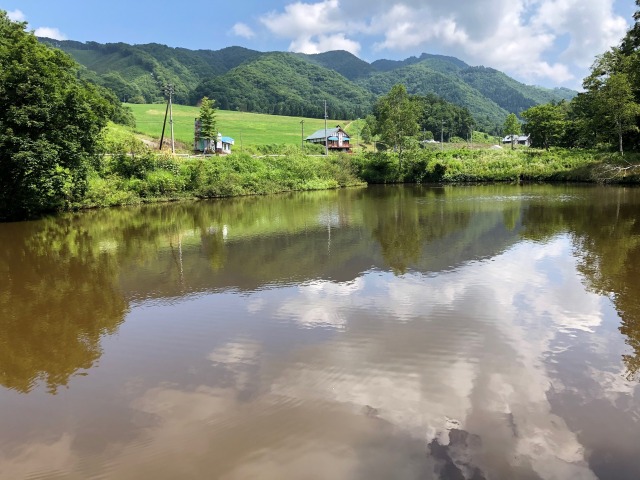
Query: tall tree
column 612, row 107
column 512, row 128
column 615, row 103
column 396, row 119
column 50, row 122
column 545, row 123
column 208, row 130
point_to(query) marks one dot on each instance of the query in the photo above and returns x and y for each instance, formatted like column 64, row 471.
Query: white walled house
column 220, row 145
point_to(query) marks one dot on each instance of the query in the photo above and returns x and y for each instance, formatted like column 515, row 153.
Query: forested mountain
column 508, row 93
column 138, row 72
column 421, row 79
column 284, row 84
column 298, row 84
column 449, row 63
column 345, row 63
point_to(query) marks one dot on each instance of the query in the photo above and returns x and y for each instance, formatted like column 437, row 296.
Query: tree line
column 400, row 120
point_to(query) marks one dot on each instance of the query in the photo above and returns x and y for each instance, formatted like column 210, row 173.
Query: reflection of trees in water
column 606, row 233
column 409, row 223
column 59, row 297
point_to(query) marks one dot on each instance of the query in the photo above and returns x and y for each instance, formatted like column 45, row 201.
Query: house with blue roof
column 220, row 145
column 336, row 138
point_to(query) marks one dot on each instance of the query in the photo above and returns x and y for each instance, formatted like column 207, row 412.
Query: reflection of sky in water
column 354, row 379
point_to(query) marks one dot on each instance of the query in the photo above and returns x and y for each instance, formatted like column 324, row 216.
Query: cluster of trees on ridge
column 400, row 120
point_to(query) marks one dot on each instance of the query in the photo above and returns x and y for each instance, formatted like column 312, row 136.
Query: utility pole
column 173, row 145
column 326, row 140
column 168, row 91
column 302, row 138
column 164, row 125
column 442, row 135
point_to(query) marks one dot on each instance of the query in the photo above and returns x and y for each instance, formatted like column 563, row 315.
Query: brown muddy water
column 382, row 333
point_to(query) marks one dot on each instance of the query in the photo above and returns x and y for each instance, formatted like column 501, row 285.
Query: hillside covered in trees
column 297, row 84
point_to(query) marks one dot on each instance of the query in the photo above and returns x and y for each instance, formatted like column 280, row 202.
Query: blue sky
column 544, row 42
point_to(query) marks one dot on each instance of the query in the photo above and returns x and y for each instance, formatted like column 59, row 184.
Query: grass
column 247, row 129
column 465, row 165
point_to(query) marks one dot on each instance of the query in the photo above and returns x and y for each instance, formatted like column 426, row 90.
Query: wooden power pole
column 168, row 90
column 326, row 140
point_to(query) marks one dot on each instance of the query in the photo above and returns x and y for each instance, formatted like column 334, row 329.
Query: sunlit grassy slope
column 246, row 129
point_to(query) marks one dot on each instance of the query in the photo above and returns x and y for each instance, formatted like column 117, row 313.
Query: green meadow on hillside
column 247, row 129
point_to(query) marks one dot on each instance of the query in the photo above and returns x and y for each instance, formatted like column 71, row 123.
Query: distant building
column 519, row 140
column 336, row 138
column 221, row 145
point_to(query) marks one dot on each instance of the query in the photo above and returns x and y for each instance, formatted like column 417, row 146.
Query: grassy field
column 247, row 129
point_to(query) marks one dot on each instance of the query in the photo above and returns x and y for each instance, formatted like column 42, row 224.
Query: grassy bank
column 486, row 165
column 132, row 173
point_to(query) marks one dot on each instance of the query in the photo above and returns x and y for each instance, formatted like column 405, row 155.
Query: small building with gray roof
column 336, row 138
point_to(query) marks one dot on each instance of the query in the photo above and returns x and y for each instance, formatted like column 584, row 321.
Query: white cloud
column 313, row 27
column 243, row 30
column 16, row 16
column 324, row 43
column 552, row 40
column 590, row 24
column 49, row 32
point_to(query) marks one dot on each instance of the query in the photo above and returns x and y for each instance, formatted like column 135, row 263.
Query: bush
column 163, row 183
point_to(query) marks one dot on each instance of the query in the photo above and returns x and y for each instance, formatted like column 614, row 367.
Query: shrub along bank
column 131, row 173
column 524, row 165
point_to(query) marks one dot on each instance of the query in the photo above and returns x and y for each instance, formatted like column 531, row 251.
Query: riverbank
column 142, row 176
column 139, row 175
column 466, row 165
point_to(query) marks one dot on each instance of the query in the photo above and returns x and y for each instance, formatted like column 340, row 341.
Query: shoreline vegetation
column 132, row 173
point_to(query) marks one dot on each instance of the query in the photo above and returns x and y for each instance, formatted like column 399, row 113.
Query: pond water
column 487, row 332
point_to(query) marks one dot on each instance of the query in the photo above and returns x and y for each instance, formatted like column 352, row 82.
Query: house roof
column 520, row 138
column 321, row 133
column 330, row 132
column 227, row 140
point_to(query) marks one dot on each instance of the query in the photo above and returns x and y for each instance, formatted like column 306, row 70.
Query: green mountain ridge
column 297, row 84
column 284, row 84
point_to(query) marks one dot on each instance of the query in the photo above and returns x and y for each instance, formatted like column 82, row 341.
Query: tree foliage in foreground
column 50, row 122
